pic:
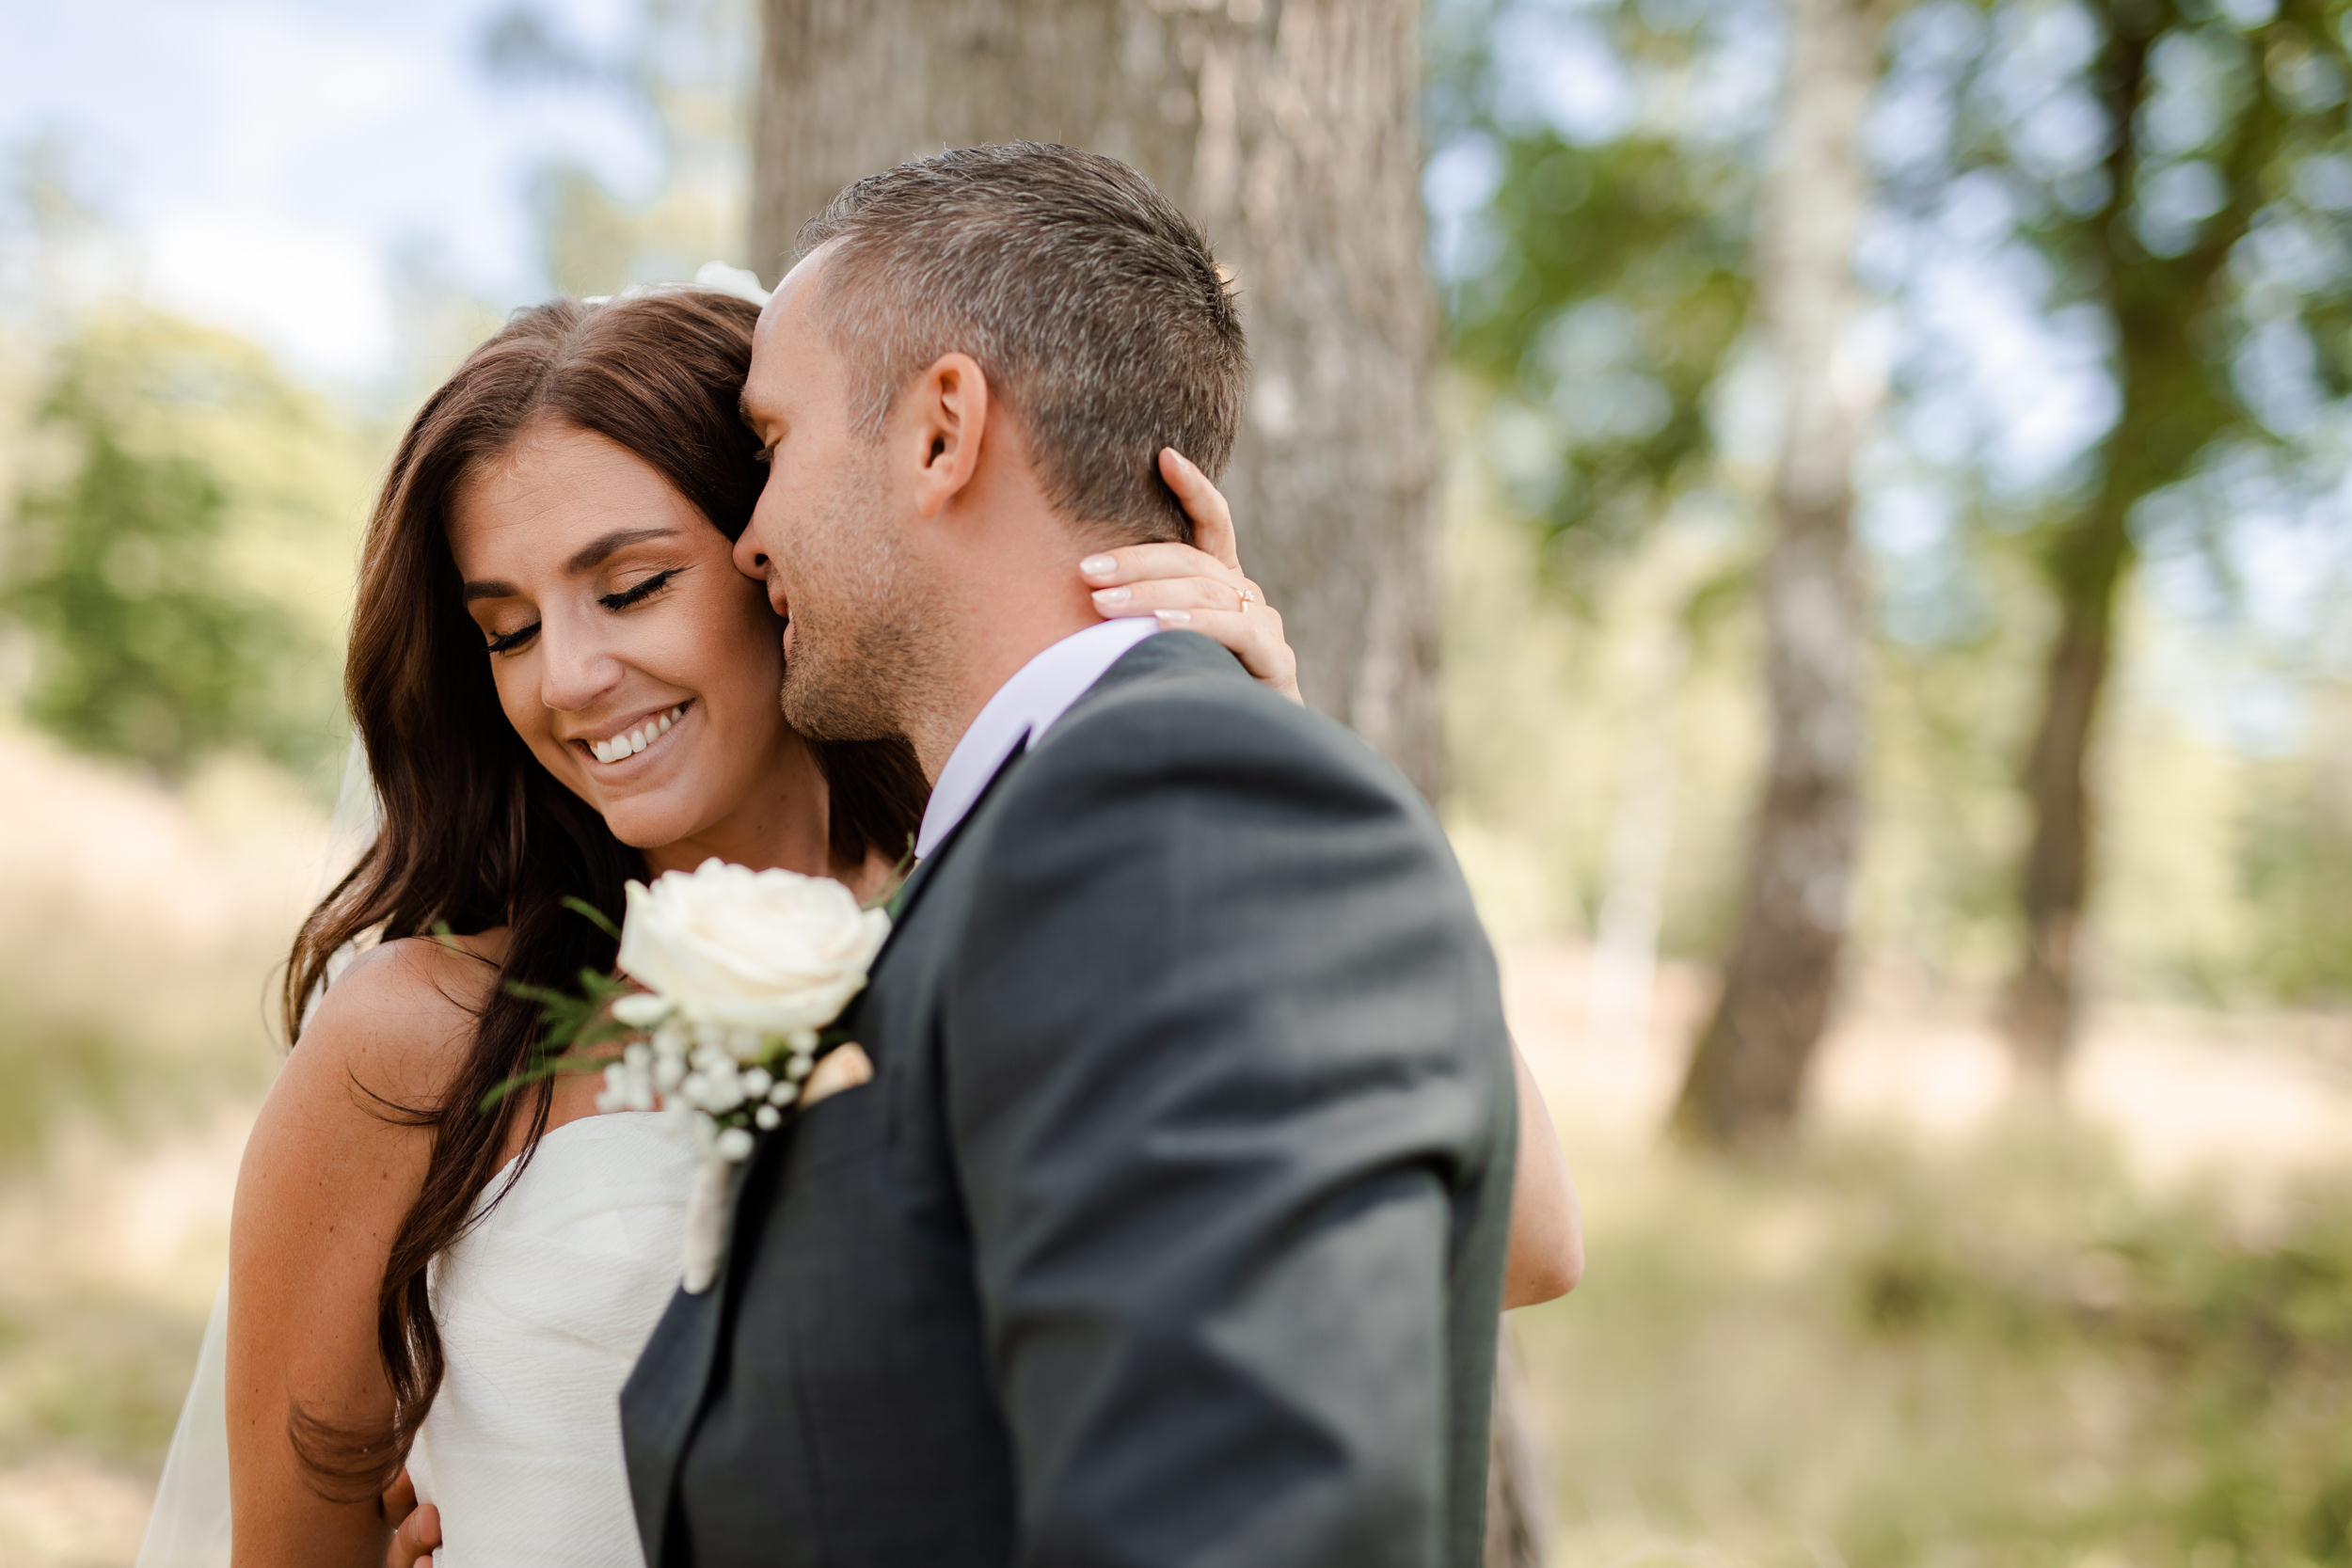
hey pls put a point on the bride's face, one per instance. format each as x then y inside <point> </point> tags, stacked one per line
<point>637,663</point>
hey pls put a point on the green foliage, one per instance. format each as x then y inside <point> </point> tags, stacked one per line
<point>1617,293</point>
<point>144,654</point>
<point>152,640</point>
<point>1612,283</point>
<point>2204,224</point>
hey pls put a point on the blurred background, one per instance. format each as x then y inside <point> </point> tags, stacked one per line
<point>1845,503</point>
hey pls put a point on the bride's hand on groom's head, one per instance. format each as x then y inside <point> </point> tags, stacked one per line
<point>1200,586</point>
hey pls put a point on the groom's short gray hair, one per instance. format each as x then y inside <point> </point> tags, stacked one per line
<point>1093,305</point>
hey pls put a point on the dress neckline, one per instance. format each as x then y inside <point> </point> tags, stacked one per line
<point>498,1182</point>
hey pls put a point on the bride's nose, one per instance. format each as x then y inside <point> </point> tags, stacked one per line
<point>575,669</point>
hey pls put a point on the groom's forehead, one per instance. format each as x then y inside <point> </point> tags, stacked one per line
<point>795,296</point>
<point>785,335</point>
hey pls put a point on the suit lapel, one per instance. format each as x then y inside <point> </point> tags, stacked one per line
<point>664,1396</point>
<point>902,902</point>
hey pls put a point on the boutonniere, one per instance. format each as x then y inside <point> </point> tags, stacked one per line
<point>744,973</point>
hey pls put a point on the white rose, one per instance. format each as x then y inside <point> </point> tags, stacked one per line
<point>771,953</point>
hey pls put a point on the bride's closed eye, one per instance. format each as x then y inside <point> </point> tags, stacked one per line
<point>627,598</point>
<point>638,594</point>
<point>506,643</point>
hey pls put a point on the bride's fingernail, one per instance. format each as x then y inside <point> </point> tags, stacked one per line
<point>1097,566</point>
<point>1107,597</point>
<point>1174,617</point>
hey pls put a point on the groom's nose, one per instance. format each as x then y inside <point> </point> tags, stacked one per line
<point>749,559</point>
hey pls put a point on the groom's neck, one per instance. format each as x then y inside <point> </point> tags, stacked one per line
<point>1004,603</point>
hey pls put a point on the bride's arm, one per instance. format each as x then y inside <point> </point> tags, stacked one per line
<point>1546,1255</point>
<point>327,1180</point>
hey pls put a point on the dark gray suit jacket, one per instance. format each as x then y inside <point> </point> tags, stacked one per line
<point>1170,1230</point>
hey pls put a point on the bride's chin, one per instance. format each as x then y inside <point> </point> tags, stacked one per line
<point>641,831</point>
<point>642,821</point>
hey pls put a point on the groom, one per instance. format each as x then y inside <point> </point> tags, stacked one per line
<point>1170,1229</point>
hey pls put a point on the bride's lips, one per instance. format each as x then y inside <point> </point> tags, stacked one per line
<point>629,744</point>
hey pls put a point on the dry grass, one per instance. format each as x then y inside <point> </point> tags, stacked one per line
<point>136,952</point>
<point>1950,1329</point>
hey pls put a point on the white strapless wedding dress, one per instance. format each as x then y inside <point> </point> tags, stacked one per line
<point>543,1309</point>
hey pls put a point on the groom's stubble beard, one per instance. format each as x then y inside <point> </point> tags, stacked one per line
<point>865,656</point>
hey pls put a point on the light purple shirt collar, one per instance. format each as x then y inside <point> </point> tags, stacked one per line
<point>1024,708</point>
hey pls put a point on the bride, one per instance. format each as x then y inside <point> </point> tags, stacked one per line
<point>561,684</point>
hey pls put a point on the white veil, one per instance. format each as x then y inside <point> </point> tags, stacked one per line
<point>189,1526</point>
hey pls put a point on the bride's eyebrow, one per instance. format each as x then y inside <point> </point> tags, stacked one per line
<point>597,551</point>
<point>586,559</point>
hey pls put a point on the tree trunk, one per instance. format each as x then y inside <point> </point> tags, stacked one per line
<point>2088,566</point>
<point>1287,129</point>
<point>1748,1071</point>
<point>2042,1000</point>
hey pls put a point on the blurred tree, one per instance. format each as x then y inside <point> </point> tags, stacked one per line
<point>1749,1067</point>
<point>1288,132</point>
<point>1600,290</point>
<point>684,76</point>
<point>2209,235</point>
<point>149,643</point>
<point>1616,295</point>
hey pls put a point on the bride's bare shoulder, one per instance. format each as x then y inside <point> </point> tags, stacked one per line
<point>397,1022</point>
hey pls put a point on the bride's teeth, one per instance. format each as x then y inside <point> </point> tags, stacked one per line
<point>633,741</point>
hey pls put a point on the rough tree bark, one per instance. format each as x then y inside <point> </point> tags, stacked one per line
<point>1287,129</point>
<point>1748,1071</point>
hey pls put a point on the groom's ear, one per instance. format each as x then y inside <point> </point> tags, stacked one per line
<point>947,421</point>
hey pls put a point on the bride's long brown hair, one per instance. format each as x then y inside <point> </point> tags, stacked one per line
<point>475,833</point>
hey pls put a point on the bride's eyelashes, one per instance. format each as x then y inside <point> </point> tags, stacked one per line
<point>507,642</point>
<point>639,593</point>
